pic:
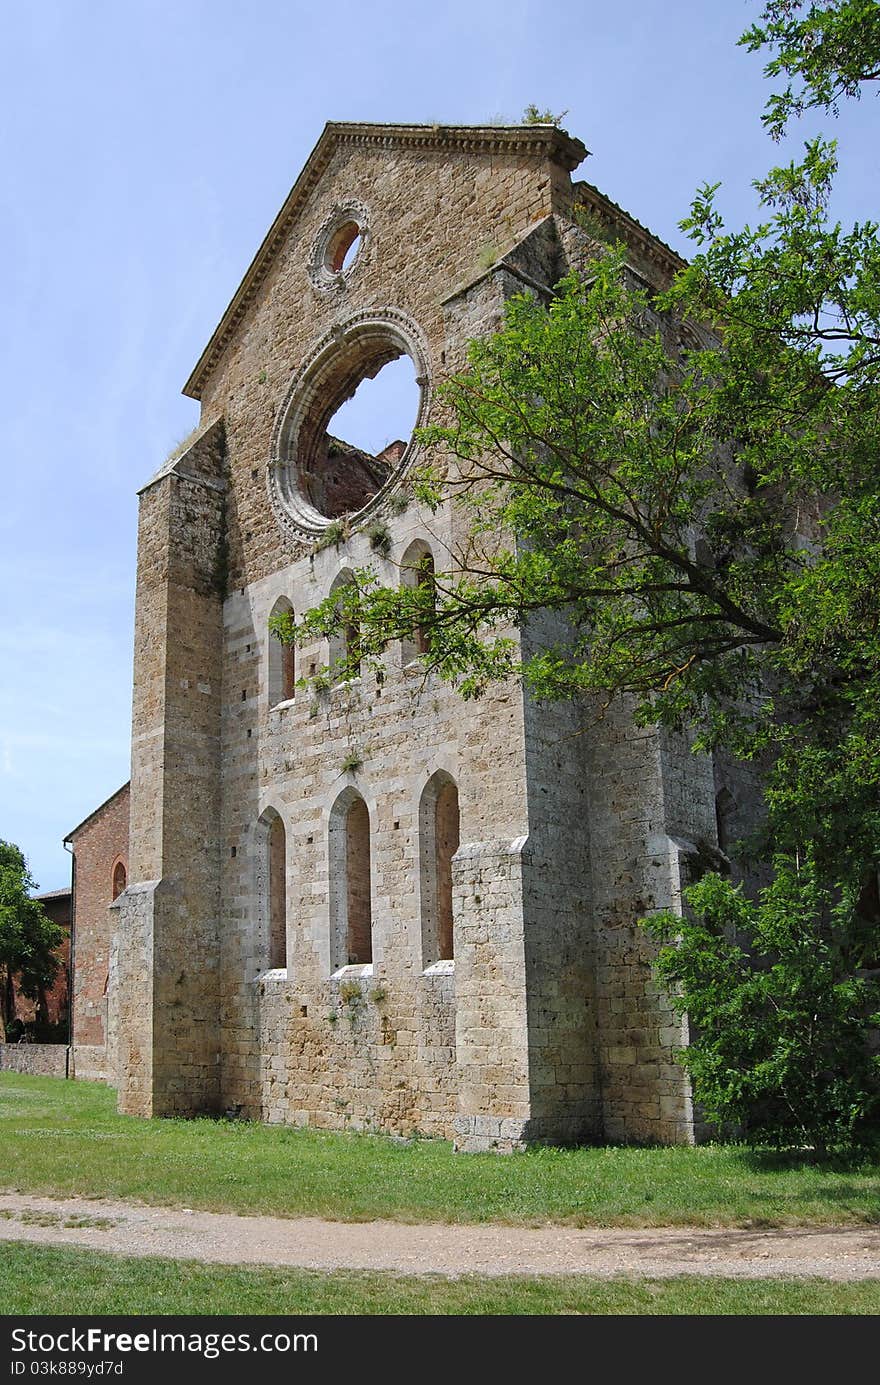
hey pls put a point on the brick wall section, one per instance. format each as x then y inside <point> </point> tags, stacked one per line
<point>98,844</point>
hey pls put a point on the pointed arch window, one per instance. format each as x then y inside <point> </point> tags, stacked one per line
<point>439,837</point>
<point>351,915</point>
<point>282,659</point>
<point>277,894</point>
<point>418,571</point>
<point>119,879</point>
<point>271,866</point>
<point>345,645</point>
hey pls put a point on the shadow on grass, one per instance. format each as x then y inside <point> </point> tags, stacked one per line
<point>765,1160</point>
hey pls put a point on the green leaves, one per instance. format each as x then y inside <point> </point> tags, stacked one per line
<point>28,937</point>
<point>780,1007</point>
<point>828,50</point>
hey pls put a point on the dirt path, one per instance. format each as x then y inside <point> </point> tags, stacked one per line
<point>123,1228</point>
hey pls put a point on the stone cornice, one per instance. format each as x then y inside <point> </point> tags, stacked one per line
<point>176,464</point>
<point>539,141</point>
<point>636,236</point>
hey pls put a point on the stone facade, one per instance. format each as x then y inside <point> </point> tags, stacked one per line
<point>374,906</point>
<point>99,846</point>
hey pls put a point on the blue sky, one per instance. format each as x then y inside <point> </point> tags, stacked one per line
<point>146,146</point>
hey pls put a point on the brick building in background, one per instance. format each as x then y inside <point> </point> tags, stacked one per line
<point>52,1008</point>
<point>99,846</point>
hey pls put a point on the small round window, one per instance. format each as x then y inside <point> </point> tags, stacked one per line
<point>340,246</point>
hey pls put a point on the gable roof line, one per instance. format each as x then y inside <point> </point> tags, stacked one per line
<point>95,811</point>
<point>644,238</point>
<point>543,140</point>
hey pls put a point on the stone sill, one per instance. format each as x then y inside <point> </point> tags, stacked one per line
<point>275,978</point>
<point>444,968</point>
<point>283,706</point>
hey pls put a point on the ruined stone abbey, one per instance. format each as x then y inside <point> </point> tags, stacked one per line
<point>370,905</point>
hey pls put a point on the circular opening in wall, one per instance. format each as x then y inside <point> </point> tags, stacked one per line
<point>357,441</point>
<point>343,248</point>
<point>343,434</point>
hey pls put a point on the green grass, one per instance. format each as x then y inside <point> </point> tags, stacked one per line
<point>39,1279</point>
<point>62,1137</point>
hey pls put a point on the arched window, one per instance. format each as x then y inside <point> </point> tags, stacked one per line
<point>345,646</point>
<point>439,836</point>
<point>417,570</point>
<point>351,923</point>
<point>271,887</point>
<point>725,809</point>
<point>119,879</point>
<point>277,894</point>
<point>282,660</point>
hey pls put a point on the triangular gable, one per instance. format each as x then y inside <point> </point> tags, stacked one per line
<point>541,141</point>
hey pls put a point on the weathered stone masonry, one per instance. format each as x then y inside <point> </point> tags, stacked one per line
<point>275,837</point>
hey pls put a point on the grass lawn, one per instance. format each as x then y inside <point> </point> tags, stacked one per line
<point>40,1279</point>
<point>65,1137</point>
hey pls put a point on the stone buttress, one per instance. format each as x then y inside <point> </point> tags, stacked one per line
<point>164,1009</point>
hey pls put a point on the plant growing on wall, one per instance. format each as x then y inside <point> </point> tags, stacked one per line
<point>380,539</point>
<point>353,761</point>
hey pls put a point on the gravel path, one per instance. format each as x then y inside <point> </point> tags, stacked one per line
<point>308,1243</point>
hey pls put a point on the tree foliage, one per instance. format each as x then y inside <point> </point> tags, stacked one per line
<point>690,479</point>
<point>778,1006</point>
<point>28,937</point>
<point>828,49</point>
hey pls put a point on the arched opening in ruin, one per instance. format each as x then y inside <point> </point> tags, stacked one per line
<point>119,879</point>
<point>351,919</point>
<point>357,425</point>
<point>344,431</point>
<point>344,651</point>
<point>439,837</point>
<point>270,889</point>
<point>282,660</point>
<point>417,570</point>
<point>277,893</point>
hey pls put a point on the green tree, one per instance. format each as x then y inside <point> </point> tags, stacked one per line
<point>691,478</point>
<point>28,937</point>
<point>778,1006</point>
<point>828,50</point>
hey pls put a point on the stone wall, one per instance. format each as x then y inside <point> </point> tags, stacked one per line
<point>304,1043</point>
<point>544,1024</point>
<point>166,1011</point>
<point>301,1043</point>
<point>37,1060</point>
